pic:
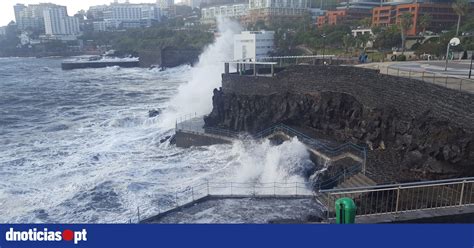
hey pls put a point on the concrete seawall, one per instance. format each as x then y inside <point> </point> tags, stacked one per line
<point>372,89</point>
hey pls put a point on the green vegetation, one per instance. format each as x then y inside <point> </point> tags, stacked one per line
<point>461,7</point>
<point>9,42</point>
<point>406,23</point>
<point>135,40</point>
<point>424,21</point>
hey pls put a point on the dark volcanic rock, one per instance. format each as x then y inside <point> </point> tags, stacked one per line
<point>425,145</point>
<point>153,112</point>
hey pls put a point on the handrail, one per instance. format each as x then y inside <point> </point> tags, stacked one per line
<point>397,185</point>
<point>346,173</point>
<point>404,197</point>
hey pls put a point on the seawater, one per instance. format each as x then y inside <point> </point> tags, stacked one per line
<point>78,146</point>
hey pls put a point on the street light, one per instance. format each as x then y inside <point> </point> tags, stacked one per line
<point>470,68</point>
<point>453,42</point>
<point>324,44</point>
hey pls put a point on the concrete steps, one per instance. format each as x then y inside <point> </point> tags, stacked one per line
<point>355,181</point>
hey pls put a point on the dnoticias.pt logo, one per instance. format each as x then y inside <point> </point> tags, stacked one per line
<point>46,235</point>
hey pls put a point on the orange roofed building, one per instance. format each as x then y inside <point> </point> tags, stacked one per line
<point>342,16</point>
<point>442,16</point>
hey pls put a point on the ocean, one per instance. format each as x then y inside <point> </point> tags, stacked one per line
<point>79,147</point>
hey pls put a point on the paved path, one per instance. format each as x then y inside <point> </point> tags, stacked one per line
<point>429,71</point>
<point>236,209</point>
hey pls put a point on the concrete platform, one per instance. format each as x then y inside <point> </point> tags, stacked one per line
<point>244,209</point>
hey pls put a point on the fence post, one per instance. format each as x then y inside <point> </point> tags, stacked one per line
<point>328,206</point>
<point>177,204</point>
<point>387,70</point>
<point>274,188</point>
<point>460,85</point>
<point>364,166</point>
<point>398,198</point>
<point>138,214</point>
<point>398,72</point>
<point>462,192</point>
<point>446,81</point>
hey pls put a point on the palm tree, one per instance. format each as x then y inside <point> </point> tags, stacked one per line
<point>406,22</point>
<point>461,7</point>
<point>424,21</point>
<point>348,42</point>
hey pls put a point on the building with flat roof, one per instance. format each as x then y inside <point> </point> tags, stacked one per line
<point>126,15</point>
<point>253,44</point>
<point>230,10</point>
<point>58,24</point>
<point>274,10</point>
<point>442,15</point>
<point>32,16</point>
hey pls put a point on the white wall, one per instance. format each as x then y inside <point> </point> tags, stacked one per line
<point>253,44</point>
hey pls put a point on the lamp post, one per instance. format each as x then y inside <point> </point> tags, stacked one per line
<point>453,42</point>
<point>324,44</point>
<point>470,68</point>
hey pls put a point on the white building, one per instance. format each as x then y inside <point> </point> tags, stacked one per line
<point>58,23</point>
<point>236,10</point>
<point>363,31</point>
<point>253,44</point>
<point>99,26</point>
<point>165,4</point>
<point>53,20</point>
<point>32,16</point>
<point>127,15</point>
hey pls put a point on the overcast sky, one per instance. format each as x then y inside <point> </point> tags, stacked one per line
<point>7,15</point>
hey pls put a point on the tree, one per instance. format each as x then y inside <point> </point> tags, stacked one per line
<point>424,21</point>
<point>406,22</point>
<point>348,42</point>
<point>387,37</point>
<point>461,7</point>
<point>365,22</point>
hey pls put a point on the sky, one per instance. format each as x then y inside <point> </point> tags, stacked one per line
<point>7,15</point>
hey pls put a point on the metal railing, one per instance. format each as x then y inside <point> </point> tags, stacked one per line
<point>406,197</point>
<point>456,83</point>
<point>334,180</point>
<point>317,145</point>
<point>200,191</point>
<point>195,124</point>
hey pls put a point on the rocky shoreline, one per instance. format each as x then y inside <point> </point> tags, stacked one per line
<point>404,144</point>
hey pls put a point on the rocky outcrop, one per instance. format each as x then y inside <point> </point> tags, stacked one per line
<point>402,146</point>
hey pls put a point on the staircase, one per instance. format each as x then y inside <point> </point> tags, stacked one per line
<point>356,181</point>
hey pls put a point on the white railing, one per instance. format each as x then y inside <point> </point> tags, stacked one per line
<point>397,198</point>
<point>456,83</point>
<point>197,192</point>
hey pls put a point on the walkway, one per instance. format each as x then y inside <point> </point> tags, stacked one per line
<point>430,72</point>
<point>244,209</point>
<point>194,127</point>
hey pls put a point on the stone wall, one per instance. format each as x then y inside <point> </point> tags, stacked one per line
<point>413,129</point>
<point>372,89</point>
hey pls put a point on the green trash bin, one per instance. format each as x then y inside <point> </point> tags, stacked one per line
<point>345,211</point>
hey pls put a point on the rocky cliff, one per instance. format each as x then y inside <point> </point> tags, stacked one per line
<point>405,144</point>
